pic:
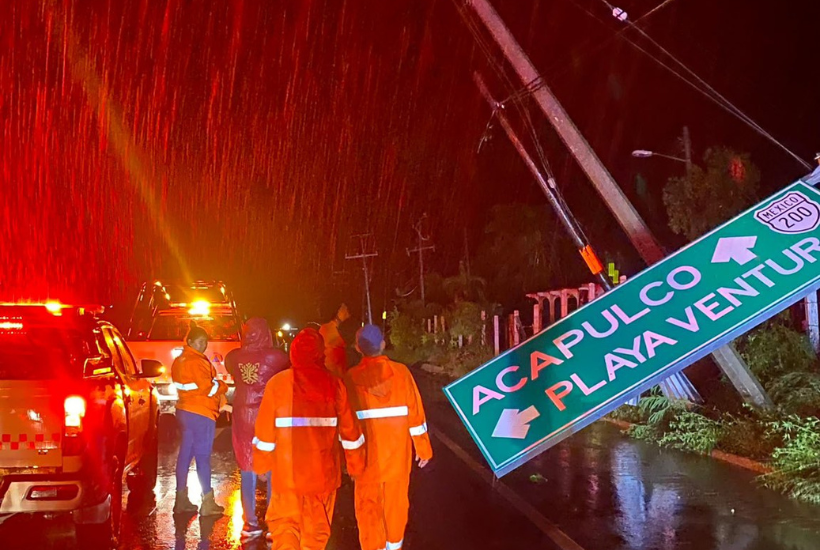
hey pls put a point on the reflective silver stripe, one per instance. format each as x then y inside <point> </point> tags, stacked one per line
<point>263,445</point>
<point>395,545</point>
<point>301,422</point>
<point>186,387</point>
<point>350,445</point>
<point>387,412</point>
<point>214,388</point>
<point>418,430</point>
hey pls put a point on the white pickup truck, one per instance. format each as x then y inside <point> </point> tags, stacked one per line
<point>161,318</point>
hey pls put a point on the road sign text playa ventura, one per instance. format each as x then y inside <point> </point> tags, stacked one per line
<point>673,313</point>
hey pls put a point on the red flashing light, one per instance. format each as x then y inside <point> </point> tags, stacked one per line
<point>74,412</point>
<point>73,442</point>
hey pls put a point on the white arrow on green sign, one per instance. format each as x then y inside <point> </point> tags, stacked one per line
<point>665,318</point>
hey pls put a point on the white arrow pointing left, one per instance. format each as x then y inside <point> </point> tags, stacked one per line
<point>738,249</point>
<point>514,424</point>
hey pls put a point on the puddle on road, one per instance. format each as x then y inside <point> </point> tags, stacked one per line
<point>607,491</point>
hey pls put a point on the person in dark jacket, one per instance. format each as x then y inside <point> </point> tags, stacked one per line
<point>251,367</point>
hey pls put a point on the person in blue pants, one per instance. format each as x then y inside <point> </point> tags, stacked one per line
<point>201,396</point>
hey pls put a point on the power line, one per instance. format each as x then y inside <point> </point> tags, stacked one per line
<point>700,85</point>
<point>524,112</point>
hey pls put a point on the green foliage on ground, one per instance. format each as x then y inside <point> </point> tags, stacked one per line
<point>658,410</point>
<point>797,393</point>
<point>671,423</point>
<point>783,361</point>
<point>775,349</point>
<point>796,462</point>
<point>690,431</point>
<point>411,343</point>
<point>746,436</point>
<point>627,413</point>
<point>643,432</point>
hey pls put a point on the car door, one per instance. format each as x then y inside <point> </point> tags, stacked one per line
<point>136,394</point>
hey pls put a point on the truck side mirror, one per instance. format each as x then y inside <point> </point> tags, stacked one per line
<point>151,368</point>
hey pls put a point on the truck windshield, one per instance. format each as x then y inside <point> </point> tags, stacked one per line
<point>40,353</point>
<point>223,328</point>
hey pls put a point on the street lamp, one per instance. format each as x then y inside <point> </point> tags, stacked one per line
<point>644,154</point>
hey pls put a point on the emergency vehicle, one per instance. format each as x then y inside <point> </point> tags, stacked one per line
<point>161,318</point>
<point>78,415</point>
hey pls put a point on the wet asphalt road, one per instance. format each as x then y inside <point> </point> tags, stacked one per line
<point>597,490</point>
<point>449,509</point>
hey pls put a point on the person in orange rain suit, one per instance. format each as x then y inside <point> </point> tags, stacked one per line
<point>303,417</point>
<point>335,354</point>
<point>201,396</point>
<point>388,404</point>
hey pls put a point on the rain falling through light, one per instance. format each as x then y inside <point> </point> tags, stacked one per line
<point>238,141</point>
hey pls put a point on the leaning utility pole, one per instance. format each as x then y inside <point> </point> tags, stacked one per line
<point>420,249</point>
<point>550,190</point>
<point>363,254</point>
<point>727,357</point>
<point>676,386</point>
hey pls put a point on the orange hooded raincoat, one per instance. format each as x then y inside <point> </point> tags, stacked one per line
<point>388,404</point>
<point>303,418</point>
<point>195,379</point>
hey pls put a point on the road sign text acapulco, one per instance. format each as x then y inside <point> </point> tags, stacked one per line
<point>666,317</point>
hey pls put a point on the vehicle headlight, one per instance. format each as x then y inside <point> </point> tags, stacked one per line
<point>167,390</point>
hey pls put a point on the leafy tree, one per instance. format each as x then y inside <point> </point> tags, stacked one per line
<point>711,195</point>
<point>434,290</point>
<point>465,320</point>
<point>464,286</point>
<point>522,252</point>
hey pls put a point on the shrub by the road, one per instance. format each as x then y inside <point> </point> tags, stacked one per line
<point>411,343</point>
<point>796,462</point>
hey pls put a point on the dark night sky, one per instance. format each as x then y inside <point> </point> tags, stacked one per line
<point>248,140</point>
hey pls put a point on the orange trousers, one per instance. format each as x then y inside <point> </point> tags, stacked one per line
<point>300,522</point>
<point>381,512</point>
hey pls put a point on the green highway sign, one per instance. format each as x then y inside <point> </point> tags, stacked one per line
<point>665,318</point>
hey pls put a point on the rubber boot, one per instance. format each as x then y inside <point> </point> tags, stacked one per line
<point>182,505</point>
<point>209,506</point>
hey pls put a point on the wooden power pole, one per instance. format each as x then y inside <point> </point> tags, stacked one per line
<point>727,357</point>
<point>363,252</point>
<point>420,248</point>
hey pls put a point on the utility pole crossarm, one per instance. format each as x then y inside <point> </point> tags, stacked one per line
<point>362,254</point>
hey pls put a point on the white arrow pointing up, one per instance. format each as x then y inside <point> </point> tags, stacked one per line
<point>514,424</point>
<point>738,249</point>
